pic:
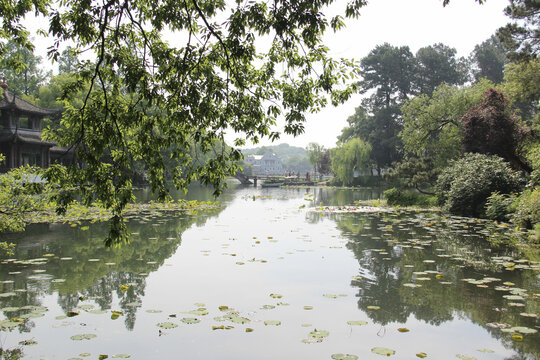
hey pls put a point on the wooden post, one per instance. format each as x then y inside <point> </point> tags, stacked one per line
<point>255,181</point>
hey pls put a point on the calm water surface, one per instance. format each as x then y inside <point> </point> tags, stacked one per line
<point>282,270</point>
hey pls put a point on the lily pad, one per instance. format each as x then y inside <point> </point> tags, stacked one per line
<point>319,333</point>
<point>10,309</point>
<point>28,342</point>
<point>465,357</point>
<point>167,325</point>
<point>523,330</point>
<point>357,322</point>
<point>222,327</point>
<point>344,357</point>
<point>190,320</point>
<point>83,337</point>
<point>410,285</point>
<point>198,312</point>
<point>383,351</point>
<point>272,322</point>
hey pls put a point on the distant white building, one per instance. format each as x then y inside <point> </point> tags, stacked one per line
<point>267,164</point>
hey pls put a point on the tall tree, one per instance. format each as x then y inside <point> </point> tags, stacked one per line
<point>491,128</point>
<point>68,61</point>
<point>22,69</point>
<point>387,70</point>
<point>316,155</point>
<point>522,37</point>
<point>522,84</point>
<point>489,59</point>
<point>380,130</point>
<point>437,64</point>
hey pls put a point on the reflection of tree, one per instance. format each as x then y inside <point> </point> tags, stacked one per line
<point>385,248</point>
<point>11,354</point>
<point>155,237</point>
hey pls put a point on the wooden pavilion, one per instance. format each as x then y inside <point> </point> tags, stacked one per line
<point>20,133</point>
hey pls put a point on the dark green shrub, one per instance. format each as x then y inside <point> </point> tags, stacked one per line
<point>465,185</point>
<point>527,208</point>
<point>408,198</point>
<point>499,206</point>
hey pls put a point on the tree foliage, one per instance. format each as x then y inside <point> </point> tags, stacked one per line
<point>432,127</point>
<point>435,65</point>
<point>22,69</point>
<point>387,71</point>
<point>522,37</point>
<point>415,172</point>
<point>522,84</point>
<point>489,59</point>
<point>316,153</point>
<point>232,66</point>
<point>466,184</point>
<point>354,155</point>
<point>491,128</point>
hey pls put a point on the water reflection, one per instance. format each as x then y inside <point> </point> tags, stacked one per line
<point>395,252</point>
<point>73,263</point>
<point>263,241</point>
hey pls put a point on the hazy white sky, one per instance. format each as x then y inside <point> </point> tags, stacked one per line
<point>416,23</point>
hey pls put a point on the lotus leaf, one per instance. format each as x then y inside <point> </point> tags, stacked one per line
<point>28,342</point>
<point>83,337</point>
<point>344,357</point>
<point>383,351</point>
<point>167,325</point>
<point>465,357</point>
<point>272,322</point>
<point>190,320</point>
<point>357,322</point>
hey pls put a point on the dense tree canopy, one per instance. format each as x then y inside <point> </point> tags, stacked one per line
<point>492,128</point>
<point>437,64</point>
<point>22,69</point>
<point>490,60</point>
<point>522,37</point>
<point>432,126</point>
<point>388,70</point>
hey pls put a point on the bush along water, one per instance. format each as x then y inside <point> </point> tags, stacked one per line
<point>403,197</point>
<point>465,186</point>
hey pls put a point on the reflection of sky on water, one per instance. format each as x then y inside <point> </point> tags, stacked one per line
<point>219,261</point>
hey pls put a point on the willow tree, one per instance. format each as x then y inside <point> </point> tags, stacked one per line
<point>350,158</point>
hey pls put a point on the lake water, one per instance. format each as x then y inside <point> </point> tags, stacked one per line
<point>267,276</point>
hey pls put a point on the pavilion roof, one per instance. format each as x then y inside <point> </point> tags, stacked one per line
<point>12,101</point>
